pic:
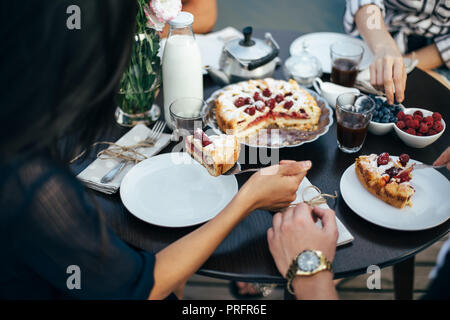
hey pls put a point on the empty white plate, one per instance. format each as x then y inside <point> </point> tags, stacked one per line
<point>319,45</point>
<point>173,190</point>
<point>430,203</point>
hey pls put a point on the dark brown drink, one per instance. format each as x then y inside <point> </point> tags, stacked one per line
<point>344,72</point>
<point>350,137</point>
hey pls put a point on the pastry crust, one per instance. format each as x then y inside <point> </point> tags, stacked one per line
<point>380,185</point>
<point>219,156</point>
<point>304,114</point>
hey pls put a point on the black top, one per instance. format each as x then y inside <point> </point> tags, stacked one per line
<point>48,223</point>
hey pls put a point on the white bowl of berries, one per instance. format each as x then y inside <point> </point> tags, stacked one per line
<point>384,116</point>
<point>419,128</point>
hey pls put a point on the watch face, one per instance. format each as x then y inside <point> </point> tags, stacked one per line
<point>308,261</point>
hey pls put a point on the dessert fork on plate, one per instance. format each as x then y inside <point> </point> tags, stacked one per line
<point>152,138</point>
<point>236,169</point>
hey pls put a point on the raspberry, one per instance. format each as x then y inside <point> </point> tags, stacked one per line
<point>423,128</point>
<point>288,104</point>
<point>418,117</point>
<point>418,113</point>
<point>200,135</point>
<point>432,132</point>
<point>400,115</point>
<point>239,102</point>
<point>411,131</point>
<point>266,92</point>
<point>438,126</point>
<point>392,172</point>
<point>247,101</point>
<point>408,117</point>
<point>383,159</point>
<point>257,97</point>
<point>437,116</point>
<point>279,98</point>
<point>428,119</point>
<point>409,123</point>
<point>404,158</point>
<point>416,124</point>
<point>270,103</point>
<point>419,134</point>
<point>401,124</point>
<point>250,110</point>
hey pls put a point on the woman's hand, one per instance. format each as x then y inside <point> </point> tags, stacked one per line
<point>295,230</point>
<point>387,72</point>
<point>274,187</point>
<point>444,158</point>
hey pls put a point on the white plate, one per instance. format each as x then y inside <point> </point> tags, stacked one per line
<point>319,45</point>
<point>173,190</point>
<point>430,203</point>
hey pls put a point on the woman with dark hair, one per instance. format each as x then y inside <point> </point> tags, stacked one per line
<point>58,87</point>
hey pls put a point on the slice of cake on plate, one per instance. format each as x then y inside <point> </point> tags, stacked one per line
<point>386,179</point>
<point>218,153</point>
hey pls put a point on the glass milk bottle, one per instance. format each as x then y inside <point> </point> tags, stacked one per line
<point>182,66</point>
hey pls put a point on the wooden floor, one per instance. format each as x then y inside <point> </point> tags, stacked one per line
<point>205,288</point>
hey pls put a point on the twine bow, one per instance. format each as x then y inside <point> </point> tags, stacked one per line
<point>115,151</point>
<point>318,199</point>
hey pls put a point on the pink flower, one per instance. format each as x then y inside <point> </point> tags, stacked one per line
<point>161,11</point>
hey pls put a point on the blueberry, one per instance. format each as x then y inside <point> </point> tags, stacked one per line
<point>385,119</point>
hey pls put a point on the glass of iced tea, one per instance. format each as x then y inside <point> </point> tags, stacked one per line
<point>345,59</point>
<point>353,113</point>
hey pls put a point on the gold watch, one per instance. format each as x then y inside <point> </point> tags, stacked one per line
<point>306,263</point>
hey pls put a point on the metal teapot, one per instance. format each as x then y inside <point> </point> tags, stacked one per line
<point>247,58</point>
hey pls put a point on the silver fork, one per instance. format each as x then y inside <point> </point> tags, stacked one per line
<point>236,169</point>
<point>152,138</point>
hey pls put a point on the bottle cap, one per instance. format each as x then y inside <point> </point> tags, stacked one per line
<point>183,19</point>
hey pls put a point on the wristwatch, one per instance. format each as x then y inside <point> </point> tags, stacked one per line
<point>306,263</point>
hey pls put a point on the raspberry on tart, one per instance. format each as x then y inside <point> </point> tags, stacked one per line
<point>277,103</point>
<point>386,179</point>
<point>217,154</point>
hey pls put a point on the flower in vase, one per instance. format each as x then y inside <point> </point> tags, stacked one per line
<point>158,12</point>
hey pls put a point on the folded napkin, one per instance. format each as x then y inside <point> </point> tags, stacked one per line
<point>96,170</point>
<point>363,78</point>
<point>344,235</point>
<point>210,45</point>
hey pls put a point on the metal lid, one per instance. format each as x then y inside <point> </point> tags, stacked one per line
<point>183,19</point>
<point>248,49</point>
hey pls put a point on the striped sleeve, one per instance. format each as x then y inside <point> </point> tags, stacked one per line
<point>443,46</point>
<point>352,6</point>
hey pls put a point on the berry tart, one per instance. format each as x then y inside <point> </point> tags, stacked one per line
<point>386,179</point>
<point>217,154</point>
<point>244,108</point>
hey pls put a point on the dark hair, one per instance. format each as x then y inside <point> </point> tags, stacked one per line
<point>59,83</point>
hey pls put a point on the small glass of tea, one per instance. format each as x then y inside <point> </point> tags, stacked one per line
<point>353,113</point>
<point>345,58</point>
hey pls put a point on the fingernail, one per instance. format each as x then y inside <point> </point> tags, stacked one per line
<point>306,165</point>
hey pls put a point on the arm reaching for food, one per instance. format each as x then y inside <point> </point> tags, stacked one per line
<point>444,158</point>
<point>270,188</point>
<point>387,70</point>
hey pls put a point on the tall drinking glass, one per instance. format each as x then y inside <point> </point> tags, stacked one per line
<point>353,113</point>
<point>345,58</point>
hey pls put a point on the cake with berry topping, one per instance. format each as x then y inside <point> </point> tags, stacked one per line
<point>244,108</point>
<point>386,179</point>
<point>217,153</point>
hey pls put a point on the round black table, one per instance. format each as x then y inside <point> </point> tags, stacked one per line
<point>244,255</point>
